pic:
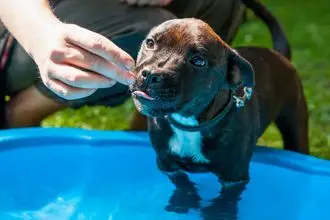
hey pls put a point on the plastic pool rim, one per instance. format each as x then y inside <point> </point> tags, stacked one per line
<point>11,139</point>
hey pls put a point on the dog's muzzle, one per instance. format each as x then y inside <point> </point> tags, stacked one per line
<point>154,86</point>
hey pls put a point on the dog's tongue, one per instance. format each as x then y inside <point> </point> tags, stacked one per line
<point>143,94</point>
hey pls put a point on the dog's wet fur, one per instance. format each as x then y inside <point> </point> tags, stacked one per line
<point>186,71</point>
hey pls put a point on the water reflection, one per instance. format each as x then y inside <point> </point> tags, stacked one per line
<point>186,197</point>
<point>225,206</point>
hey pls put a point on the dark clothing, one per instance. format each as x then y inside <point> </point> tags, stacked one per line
<point>126,26</point>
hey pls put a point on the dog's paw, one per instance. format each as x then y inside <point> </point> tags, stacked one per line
<point>220,208</point>
<point>183,200</point>
<point>225,206</point>
<point>177,209</point>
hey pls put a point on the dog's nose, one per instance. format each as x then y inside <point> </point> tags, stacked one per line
<point>150,78</point>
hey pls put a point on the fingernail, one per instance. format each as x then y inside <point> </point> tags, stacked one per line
<point>130,78</point>
<point>129,65</point>
<point>111,83</point>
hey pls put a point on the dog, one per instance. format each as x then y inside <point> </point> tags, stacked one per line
<point>207,104</point>
<point>139,123</point>
<point>279,40</point>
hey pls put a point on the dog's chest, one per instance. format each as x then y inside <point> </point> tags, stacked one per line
<point>187,144</point>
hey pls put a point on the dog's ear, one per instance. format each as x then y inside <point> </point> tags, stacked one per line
<point>239,70</point>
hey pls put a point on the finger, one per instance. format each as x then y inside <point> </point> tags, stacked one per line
<point>78,78</point>
<point>81,58</point>
<point>67,92</point>
<point>99,45</point>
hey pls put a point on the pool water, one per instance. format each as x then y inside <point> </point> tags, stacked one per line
<point>73,174</point>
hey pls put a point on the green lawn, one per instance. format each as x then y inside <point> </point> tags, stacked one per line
<point>307,24</point>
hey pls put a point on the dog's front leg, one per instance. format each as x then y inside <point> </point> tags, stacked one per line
<point>225,205</point>
<point>185,195</point>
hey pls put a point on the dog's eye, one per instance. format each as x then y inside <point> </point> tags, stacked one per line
<point>198,61</point>
<point>150,43</point>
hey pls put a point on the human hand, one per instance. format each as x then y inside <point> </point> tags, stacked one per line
<point>147,2</point>
<point>74,62</point>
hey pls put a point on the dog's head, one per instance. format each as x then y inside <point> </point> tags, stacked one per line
<point>181,66</point>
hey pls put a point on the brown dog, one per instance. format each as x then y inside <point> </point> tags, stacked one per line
<point>207,104</point>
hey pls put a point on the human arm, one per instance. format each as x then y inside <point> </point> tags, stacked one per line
<point>73,61</point>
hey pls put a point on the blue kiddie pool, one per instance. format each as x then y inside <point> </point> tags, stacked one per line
<point>105,175</point>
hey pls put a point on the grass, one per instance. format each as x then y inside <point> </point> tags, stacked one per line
<point>307,25</point>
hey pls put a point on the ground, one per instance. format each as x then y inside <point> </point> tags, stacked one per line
<point>307,25</point>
